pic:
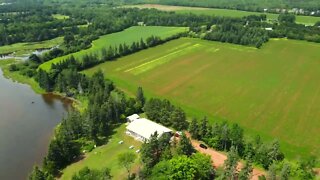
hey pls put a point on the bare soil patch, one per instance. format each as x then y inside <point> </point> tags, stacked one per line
<point>218,159</point>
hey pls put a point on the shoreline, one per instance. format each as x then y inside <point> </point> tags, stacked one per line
<point>18,78</point>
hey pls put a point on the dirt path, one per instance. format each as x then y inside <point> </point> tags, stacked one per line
<point>218,158</point>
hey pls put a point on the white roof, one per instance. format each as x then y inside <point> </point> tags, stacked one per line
<point>146,128</point>
<point>133,117</point>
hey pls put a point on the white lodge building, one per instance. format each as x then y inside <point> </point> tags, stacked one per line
<point>142,129</point>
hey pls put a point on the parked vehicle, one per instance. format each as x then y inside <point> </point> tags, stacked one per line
<point>203,146</point>
<point>178,134</point>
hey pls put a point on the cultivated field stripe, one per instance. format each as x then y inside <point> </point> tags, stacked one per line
<point>152,56</point>
<point>159,61</point>
<point>272,91</point>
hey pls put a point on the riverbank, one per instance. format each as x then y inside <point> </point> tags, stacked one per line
<point>79,104</point>
<point>17,77</point>
<point>26,126</point>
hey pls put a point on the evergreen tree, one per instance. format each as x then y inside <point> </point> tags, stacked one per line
<point>230,171</point>
<point>110,53</point>
<point>142,44</point>
<point>37,174</point>
<point>272,172</point>
<point>60,85</point>
<point>236,137</point>
<point>44,80</point>
<point>246,171</point>
<point>285,172</point>
<point>121,50</point>
<point>104,55</point>
<point>140,99</point>
<point>150,153</point>
<point>203,128</point>
<point>185,147</point>
<point>274,151</point>
<point>225,135</point>
<point>62,151</point>
<point>35,58</point>
<point>178,119</point>
<point>133,47</point>
<point>126,49</point>
<point>194,129</point>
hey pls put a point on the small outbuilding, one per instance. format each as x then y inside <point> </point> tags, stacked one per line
<point>133,117</point>
<point>142,129</point>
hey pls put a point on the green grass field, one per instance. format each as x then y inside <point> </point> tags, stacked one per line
<point>60,16</point>
<point>22,49</point>
<point>308,20</point>
<point>128,36</point>
<point>106,156</point>
<point>273,91</point>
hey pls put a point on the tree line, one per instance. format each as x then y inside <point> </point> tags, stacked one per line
<point>289,29</point>
<point>111,53</point>
<point>238,34</point>
<point>163,158</point>
<point>245,5</point>
<point>248,30</point>
<point>51,81</point>
<point>225,137</point>
<point>78,132</point>
<point>162,111</point>
<point>35,25</point>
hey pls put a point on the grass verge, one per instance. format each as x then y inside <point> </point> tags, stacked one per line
<point>106,156</point>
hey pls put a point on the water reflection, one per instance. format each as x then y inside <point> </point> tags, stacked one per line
<point>27,121</point>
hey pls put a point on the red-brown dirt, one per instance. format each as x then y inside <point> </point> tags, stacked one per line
<point>218,158</point>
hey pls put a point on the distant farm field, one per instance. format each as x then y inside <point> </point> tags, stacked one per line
<point>273,91</point>
<point>308,20</point>
<point>21,49</point>
<point>128,36</point>
<point>60,16</point>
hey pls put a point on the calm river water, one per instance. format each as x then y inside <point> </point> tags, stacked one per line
<point>27,121</point>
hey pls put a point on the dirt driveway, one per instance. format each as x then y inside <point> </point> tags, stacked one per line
<point>218,158</point>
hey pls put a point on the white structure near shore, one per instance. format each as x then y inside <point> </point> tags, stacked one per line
<point>142,129</point>
<point>133,117</point>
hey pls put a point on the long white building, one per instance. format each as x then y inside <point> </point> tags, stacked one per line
<point>142,129</point>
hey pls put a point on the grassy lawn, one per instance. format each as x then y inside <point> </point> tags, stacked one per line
<point>16,76</point>
<point>60,16</point>
<point>106,156</point>
<point>308,20</point>
<point>128,36</point>
<point>273,91</point>
<point>22,49</point>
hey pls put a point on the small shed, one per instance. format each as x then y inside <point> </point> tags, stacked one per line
<point>269,29</point>
<point>141,24</point>
<point>133,117</point>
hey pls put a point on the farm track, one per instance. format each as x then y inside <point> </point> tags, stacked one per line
<point>218,159</point>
